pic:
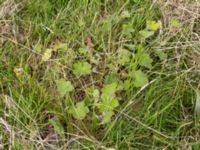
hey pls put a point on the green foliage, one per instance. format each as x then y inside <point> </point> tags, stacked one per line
<point>107,24</point>
<point>64,87</point>
<point>85,74</point>
<point>128,29</point>
<point>82,68</point>
<point>152,25</point>
<point>83,51</point>
<point>107,104</point>
<point>162,55</point>
<point>108,101</point>
<point>107,117</point>
<point>109,89</point>
<point>146,34</point>
<point>79,111</point>
<point>57,127</point>
<point>123,57</point>
<point>96,94</point>
<point>145,60</point>
<point>38,48</point>
<point>140,78</point>
<point>61,46</point>
<point>112,78</point>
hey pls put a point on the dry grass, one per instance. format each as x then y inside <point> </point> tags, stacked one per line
<point>186,11</point>
<point>8,8</point>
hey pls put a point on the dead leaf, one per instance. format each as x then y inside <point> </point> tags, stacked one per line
<point>89,42</point>
<point>5,28</point>
<point>138,105</point>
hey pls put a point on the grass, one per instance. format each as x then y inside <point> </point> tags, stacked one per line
<point>99,74</point>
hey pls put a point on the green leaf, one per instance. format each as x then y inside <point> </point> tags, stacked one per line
<point>38,48</point>
<point>126,84</point>
<point>107,24</point>
<point>95,121</point>
<point>140,79</point>
<point>111,78</point>
<point>161,55</point>
<point>83,51</point>
<point>80,111</point>
<point>107,117</point>
<point>145,60</point>
<point>146,34</point>
<point>109,89</point>
<point>153,25</point>
<point>124,57</point>
<point>108,100</point>
<point>55,71</point>
<point>64,87</point>
<point>47,54</point>
<point>128,29</point>
<point>82,68</point>
<point>114,103</point>
<point>62,46</point>
<point>81,22</point>
<point>130,46</point>
<point>57,127</point>
<point>107,103</point>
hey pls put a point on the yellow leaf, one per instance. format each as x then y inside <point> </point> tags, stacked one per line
<point>47,55</point>
<point>18,72</point>
<point>153,25</point>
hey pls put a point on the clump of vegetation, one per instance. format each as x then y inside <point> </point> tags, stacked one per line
<point>99,75</point>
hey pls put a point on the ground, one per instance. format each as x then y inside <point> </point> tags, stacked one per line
<point>99,74</point>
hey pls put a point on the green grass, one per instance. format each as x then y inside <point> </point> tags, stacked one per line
<point>98,74</point>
